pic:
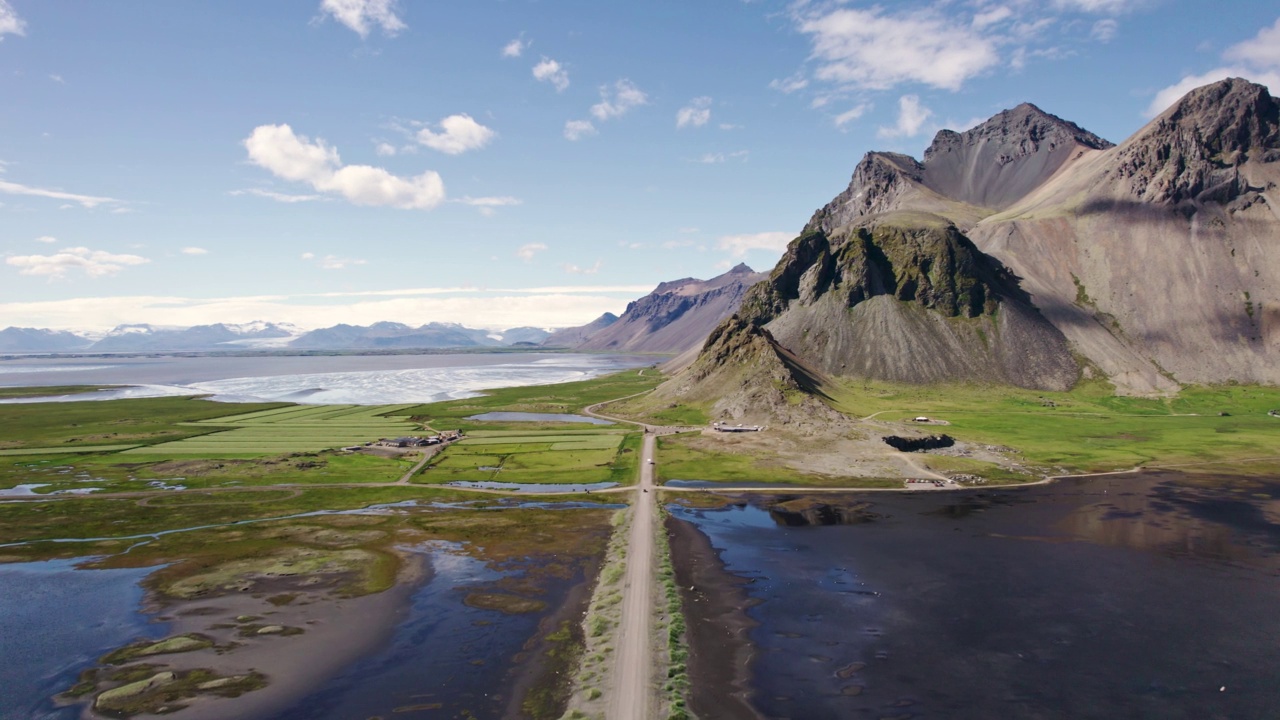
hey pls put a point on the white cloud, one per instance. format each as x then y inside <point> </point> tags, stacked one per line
<point>1097,6</point>
<point>550,71</point>
<point>618,100</point>
<point>526,252</point>
<point>488,205</point>
<point>332,262</point>
<point>563,306</point>
<point>994,16</point>
<point>730,126</point>
<point>696,113</point>
<point>869,49</point>
<point>911,117</point>
<point>790,84</point>
<point>577,129</point>
<point>739,245</point>
<point>575,270</point>
<point>716,158</point>
<point>49,239</point>
<point>459,133</point>
<point>1104,30</point>
<point>88,201</point>
<point>93,263</point>
<point>10,23</point>
<point>57,78</point>
<point>851,114</point>
<point>515,48</point>
<point>385,149</point>
<point>362,15</point>
<point>277,196</point>
<point>194,251</point>
<point>295,157</point>
<point>1261,51</point>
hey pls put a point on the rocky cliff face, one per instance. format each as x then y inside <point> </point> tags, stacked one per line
<point>907,298</point>
<point>1026,241</point>
<point>575,336</point>
<point>677,315</point>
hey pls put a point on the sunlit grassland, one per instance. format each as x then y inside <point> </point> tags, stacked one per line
<point>680,460</point>
<point>569,397</point>
<point>38,391</point>
<point>531,457</point>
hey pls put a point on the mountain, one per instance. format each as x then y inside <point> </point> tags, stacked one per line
<point>575,336</point>
<point>34,340</point>
<point>220,336</point>
<point>387,335</point>
<point>524,335</point>
<point>1030,251</point>
<point>676,316</point>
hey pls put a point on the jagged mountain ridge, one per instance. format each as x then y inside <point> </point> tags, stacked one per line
<point>676,316</point>
<point>575,336</point>
<point>1156,260</point>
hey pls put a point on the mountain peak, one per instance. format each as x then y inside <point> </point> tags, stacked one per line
<point>740,269</point>
<point>1194,151</point>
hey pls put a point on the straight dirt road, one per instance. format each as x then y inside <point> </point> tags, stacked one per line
<point>630,687</point>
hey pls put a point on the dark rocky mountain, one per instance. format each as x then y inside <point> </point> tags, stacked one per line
<point>1026,242</point>
<point>676,316</point>
<point>575,336</point>
<point>36,340</point>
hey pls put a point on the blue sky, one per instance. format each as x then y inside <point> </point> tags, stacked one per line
<point>502,163</point>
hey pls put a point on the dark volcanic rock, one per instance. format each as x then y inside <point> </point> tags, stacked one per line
<point>1194,149</point>
<point>916,444</point>
<point>998,162</point>
<point>802,512</point>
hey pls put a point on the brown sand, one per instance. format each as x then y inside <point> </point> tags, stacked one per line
<point>715,603</point>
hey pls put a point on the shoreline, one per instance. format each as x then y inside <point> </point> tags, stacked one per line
<point>718,627</point>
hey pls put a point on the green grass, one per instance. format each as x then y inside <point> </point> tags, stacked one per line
<point>109,422</point>
<point>1089,429</point>
<point>66,450</point>
<point>561,398</point>
<point>678,460</point>
<point>14,393</point>
<point>551,457</point>
<point>290,429</point>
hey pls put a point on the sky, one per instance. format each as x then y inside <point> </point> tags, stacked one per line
<point>503,163</point>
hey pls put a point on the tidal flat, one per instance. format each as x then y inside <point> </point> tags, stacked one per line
<point>458,607</point>
<point>1146,595</point>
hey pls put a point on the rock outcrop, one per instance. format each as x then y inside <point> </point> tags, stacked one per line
<point>1026,242</point>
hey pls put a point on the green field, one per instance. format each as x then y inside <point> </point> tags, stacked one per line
<point>303,428</point>
<point>533,457</point>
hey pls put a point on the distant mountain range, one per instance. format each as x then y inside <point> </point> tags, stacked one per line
<point>1026,251</point>
<point>674,318</point>
<point>264,335</point>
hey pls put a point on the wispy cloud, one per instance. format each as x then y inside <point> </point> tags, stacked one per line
<point>697,113</point>
<point>515,48</point>
<point>194,251</point>
<point>458,134</point>
<point>550,71</point>
<point>47,239</point>
<point>791,84</point>
<point>739,245</point>
<point>10,23</point>
<point>92,263</point>
<point>716,158</point>
<point>361,16</point>
<point>578,129</point>
<point>332,262</point>
<point>295,157</point>
<point>89,201</point>
<point>911,118</point>
<point>277,196</point>
<point>528,251</point>
<point>575,270</point>
<point>853,113</point>
<point>618,100</point>
<point>488,205</point>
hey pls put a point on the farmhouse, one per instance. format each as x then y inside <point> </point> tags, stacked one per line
<point>724,427</point>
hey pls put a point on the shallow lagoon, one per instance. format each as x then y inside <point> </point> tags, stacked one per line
<point>1148,596</point>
